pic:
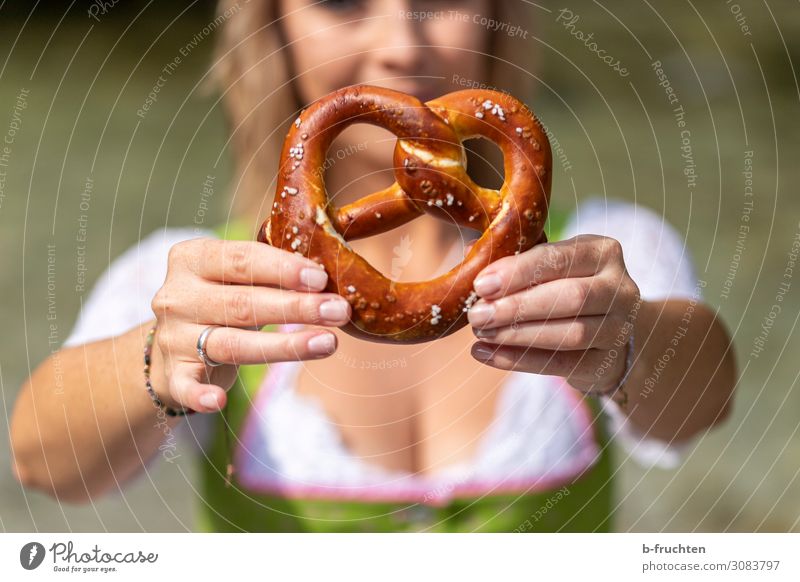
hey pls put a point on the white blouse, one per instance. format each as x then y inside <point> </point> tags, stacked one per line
<point>536,432</point>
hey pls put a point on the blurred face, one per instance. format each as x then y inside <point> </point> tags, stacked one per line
<point>409,45</point>
<point>414,46</point>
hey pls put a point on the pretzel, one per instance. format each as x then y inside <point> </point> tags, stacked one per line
<point>431,176</point>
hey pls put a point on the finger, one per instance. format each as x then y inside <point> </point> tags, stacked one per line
<point>581,333</point>
<point>246,306</point>
<point>230,345</point>
<point>583,367</point>
<point>580,256</point>
<point>190,392</point>
<point>255,263</point>
<point>555,299</point>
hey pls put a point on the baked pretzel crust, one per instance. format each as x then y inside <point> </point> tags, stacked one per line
<point>431,174</point>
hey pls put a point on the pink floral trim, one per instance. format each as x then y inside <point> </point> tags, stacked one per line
<point>408,489</point>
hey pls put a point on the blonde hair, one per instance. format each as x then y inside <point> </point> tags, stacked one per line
<point>260,100</point>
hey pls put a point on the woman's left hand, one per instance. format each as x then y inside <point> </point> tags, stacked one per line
<point>563,309</point>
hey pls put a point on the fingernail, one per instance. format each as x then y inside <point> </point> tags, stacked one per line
<point>209,400</point>
<point>487,284</point>
<point>323,343</point>
<point>480,314</point>
<point>486,332</point>
<point>313,278</point>
<point>482,353</point>
<point>334,310</point>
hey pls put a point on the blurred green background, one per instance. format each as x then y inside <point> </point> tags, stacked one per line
<point>82,82</point>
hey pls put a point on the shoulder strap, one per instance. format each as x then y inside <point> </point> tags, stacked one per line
<point>235,229</point>
<point>556,221</point>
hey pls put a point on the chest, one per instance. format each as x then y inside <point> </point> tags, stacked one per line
<point>410,408</point>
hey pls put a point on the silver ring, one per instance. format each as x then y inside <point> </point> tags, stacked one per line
<point>201,347</point>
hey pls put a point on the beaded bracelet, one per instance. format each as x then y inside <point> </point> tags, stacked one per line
<point>148,349</point>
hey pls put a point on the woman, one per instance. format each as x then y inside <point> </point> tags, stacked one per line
<point>486,429</point>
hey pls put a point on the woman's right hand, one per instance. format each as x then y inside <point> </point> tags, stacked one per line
<point>240,286</point>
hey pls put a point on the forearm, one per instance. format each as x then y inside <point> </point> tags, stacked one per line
<point>83,422</point>
<point>684,376</point>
